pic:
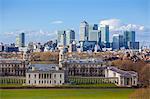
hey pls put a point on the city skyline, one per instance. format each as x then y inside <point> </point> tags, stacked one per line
<point>42,18</point>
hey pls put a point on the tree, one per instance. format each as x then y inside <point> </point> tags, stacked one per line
<point>145,75</point>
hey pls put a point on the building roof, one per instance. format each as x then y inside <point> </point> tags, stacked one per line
<point>122,72</point>
<point>49,71</point>
<point>36,68</point>
<point>83,61</point>
<point>3,60</point>
<point>44,67</point>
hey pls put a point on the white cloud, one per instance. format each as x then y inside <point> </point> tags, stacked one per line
<point>117,25</point>
<point>9,33</point>
<point>57,22</point>
<point>113,23</point>
<point>32,33</point>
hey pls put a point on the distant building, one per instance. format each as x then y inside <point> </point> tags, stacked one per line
<point>133,45</point>
<point>118,41</point>
<point>87,45</point>
<point>60,37</point>
<point>84,31</point>
<point>1,48</point>
<point>104,33</point>
<point>22,40</point>
<point>70,36</point>
<point>73,47</point>
<point>11,48</point>
<point>97,48</point>
<point>93,27</point>
<point>94,34</point>
<point>17,41</point>
<point>44,75</point>
<point>129,36</point>
<point>63,39</point>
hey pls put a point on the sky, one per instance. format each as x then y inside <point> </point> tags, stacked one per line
<point>39,19</point>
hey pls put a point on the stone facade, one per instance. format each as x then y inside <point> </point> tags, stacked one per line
<point>125,78</point>
<point>44,75</point>
<point>13,67</point>
<point>87,68</point>
<point>97,68</point>
<point>41,78</point>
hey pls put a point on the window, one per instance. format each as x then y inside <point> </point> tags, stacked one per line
<point>60,75</point>
<point>34,75</point>
<point>39,82</point>
<point>47,76</point>
<point>114,74</point>
<point>50,81</point>
<point>54,75</point>
<point>55,81</point>
<point>39,76</point>
<point>35,82</point>
<point>29,75</point>
<point>47,82</point>
<point>50,76</point>
<point>134,81</point>
<point>29,81</point>
<point>60,81</point>
<point>44,76</point>
<point>121,82</point>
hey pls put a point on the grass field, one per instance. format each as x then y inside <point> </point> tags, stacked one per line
<point>65,93</point>
<point>76,86</point>
<point>92,85</point>
<point>11,85</point>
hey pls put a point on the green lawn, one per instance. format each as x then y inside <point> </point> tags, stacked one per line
<point>92,85</point>
<point>76,86</point>
<point>65,93</point>
<point>11,85</point>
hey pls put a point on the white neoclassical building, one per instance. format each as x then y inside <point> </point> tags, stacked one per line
<point>124,78</point>
<point>44,75</point>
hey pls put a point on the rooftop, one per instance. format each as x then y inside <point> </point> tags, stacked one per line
<point>122,72</point>
<point>43,68</point>
<point>84,61</point>
<point>3,60</point>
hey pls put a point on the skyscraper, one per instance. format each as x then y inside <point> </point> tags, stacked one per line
<point>21,40</point>
<point>17,41</point>
<point>94,33</point>
<point>59,33</point>
<point>104,33</point>
<point>129,36</point>
<point>70,36</point>
<point>60,37</point>
<point>118,41</point>
<point>84,31</point>
<point>93,27</point>
<point>63,39</point>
